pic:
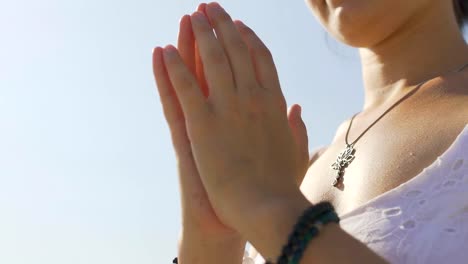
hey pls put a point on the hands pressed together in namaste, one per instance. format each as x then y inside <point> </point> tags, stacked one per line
<point>240,154</point>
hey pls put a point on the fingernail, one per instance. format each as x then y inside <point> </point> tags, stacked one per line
<point>169,51</point>
<point>241,24</point>
<point>182,18</point>
<point>155,49</point>
<point>198,16</point>
<point>216,8</point>
<point>217,5</point>
<point>201,6</point>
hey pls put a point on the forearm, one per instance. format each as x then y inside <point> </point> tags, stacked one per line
<point>331,245</point>
<point>197,248</point>
<point>334,245</point>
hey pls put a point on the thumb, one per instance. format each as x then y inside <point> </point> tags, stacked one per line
<point>299,132</point>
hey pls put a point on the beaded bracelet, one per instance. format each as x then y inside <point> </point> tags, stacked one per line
<point>307,227</point>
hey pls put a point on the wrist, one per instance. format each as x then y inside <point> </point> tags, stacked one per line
<point>198,247</point>
<point>195,233</point>
<point>269,227</point>
<point>209,227</point>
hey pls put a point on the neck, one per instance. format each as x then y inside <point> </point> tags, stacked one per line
<point>429,45</point>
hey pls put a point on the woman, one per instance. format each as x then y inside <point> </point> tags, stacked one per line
<point>245,173</point>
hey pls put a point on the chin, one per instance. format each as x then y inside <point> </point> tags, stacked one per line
<point>361,23</point>
<point>350,27</point>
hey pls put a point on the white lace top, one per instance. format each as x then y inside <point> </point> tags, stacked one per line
<point>423,220</point>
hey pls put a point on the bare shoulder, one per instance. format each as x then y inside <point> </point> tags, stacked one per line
<point>447,98</point>
<point>454,97</point>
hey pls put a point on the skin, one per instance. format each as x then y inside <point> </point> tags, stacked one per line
<point>202,231</point>
<point>421,42</point>
<point>224,92</point>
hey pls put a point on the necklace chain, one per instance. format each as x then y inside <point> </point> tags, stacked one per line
<point>347,156</point>
<point>390,108</point>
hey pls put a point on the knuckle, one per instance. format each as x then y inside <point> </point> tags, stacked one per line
<point>281,103</point>
<point>256,105</point>
<point>238,45</point>
<point>235,114</point>
<point>263,52</point>
<point>278,103</point>
<point>251,86</point>
<point>246,30</point>
<point>222,18</point>
<point>255,113</point>
<point>185,81</point>
<point>254,42</point>
<point>198,124</point>
<point>258,94</point>
<point>272,102</point>
<point>204,30</point>
<point>216,56</point>
<point>232,106</point>
<point>254,116</point>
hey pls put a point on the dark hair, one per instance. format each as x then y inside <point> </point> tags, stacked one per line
<point>461,11</point>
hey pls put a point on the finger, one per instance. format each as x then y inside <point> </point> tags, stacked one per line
<point>200,72</point>
<point>171,107</point>
<point>215,62</point>
<point>185,85</point>
<point>234,47</point>
<point>186,43</point>
<point>202,8</point>
<point>299,132</point>
<point>262,58</point>
<point>190,183</point>
<point>198,62</point>
<point>187,50</point>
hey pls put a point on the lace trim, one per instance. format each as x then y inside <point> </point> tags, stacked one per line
<point>424,220</point>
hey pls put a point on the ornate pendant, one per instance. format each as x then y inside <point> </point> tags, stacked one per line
<point>342,161</point>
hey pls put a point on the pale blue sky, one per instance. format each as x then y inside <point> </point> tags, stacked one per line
<point>87,168</point>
